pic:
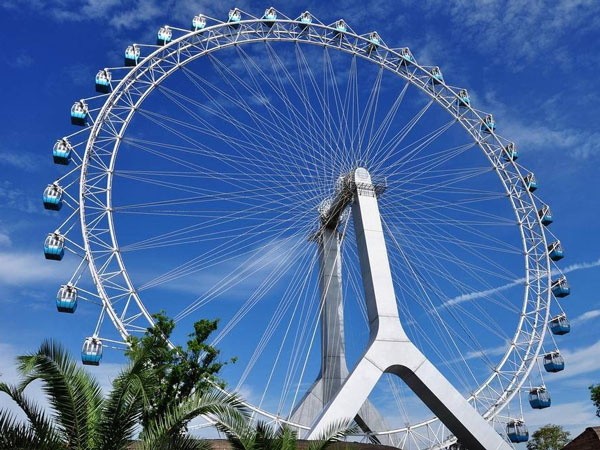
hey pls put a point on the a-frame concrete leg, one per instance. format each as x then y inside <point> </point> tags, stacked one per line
<point>390,350</point>
<point>334,369</point>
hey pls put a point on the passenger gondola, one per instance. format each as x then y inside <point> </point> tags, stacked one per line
<point>539,398</point>
<point>91,352</point>
<point>53,197</point>
<point>66,299</point>
<point>54,246</point>
<point>554,362</point>
<point>517,431</point>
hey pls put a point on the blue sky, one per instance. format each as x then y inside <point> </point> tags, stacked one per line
<point>532,64</point>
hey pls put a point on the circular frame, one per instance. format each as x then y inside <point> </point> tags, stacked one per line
<point>119,297</point>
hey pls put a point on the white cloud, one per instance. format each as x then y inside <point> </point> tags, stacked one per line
<point>142,12</point>
<point>518,30</point>
<point>588,315</point>
<point>580,361</point>
<point>580,266</point>
<point>14,198</point>
<point>5,239</point>
<point>21,160</point>
<point>577,143</point>
<point>574,417</point>
<point>21,61</point>
<point>549,135</point>
<point>487,352</point>
<point>21,268</point>
<point>487,292</point>
<point>481,294</point>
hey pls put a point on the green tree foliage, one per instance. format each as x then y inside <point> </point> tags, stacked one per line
<point>595,395</point>
<point>179,372</point>
<point>549,437</point>
<point>81,418</point>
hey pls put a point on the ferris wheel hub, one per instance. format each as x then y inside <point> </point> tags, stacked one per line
<point>332,209</point>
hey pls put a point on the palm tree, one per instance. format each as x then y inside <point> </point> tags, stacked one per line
<point>83,419</point>
<point>243,436</point>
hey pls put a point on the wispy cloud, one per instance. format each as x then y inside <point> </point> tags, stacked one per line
<point>20,61</point>
<point>5,240</point>
<point>581,360</point>
<point>550,135</point>
<point>487,352</point>
<point>517,30</point>
<point>21,160</point>
<point>573,416</point>
<point>570,141</point>
<point>14,198</point>
<point>24,268</point>
<point>487,292</point>
<point>588,315</point>
<point>482,294</point>
<point>580,266</point>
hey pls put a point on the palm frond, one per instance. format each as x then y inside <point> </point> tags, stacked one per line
<point>122,410</point>
<point>73,394</point>
<point>40,424</point>
<point>16,435</point>
<point>335,432</point>
<point>239,432</point>
<point>212,403</point>
<point>271,437</point>
<point>179,442</point>
<point>287,438</point>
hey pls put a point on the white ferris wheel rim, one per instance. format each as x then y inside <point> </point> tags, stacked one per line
<point>251,30</point>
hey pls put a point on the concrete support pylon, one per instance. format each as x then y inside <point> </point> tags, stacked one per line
<point>334,369</point>
<point>390,350</point>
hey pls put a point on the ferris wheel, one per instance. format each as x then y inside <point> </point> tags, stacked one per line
<point>237,169</point>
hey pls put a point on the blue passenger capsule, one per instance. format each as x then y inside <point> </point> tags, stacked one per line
<point>103,78</point>
<point>234,17</point>
<point>374,42</point>
<point>407,56</point>
<point>554,362</point>
<point>53,197</point>
<point>559,325</point>
<point>555,251</point>
<point>164,35</point>
<point>198,22</point>
<point>545,215</point>
<point>91,352</point>
<point>510,152</point>
<point>305,19</point>
<point>54,246</point>
<point>488,125</point>
<point>79,112</point>
<point>270,16</point>
<point>463,98</point>
<point>517,431</point>
<point>340,27</point>
<point>132,55</point>
<point>539,398</point>
<point>530,182</point>
<point>560,287</point>
<point>66,299</point>
<point>436,75</point>
<point>61,152</point>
